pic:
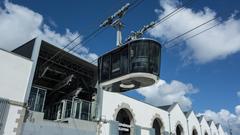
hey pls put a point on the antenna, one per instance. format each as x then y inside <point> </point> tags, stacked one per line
<point>115,22</point>
<point>139,33</point>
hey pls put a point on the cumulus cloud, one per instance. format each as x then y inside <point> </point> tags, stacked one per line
<point>163,93</point>
<point>20,24</point>
<point>238,94</point>
<point>217,43</point>
<point>226,119</point>
<point>237,110</point>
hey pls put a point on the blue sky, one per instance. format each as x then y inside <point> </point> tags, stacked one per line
<point>216,81</point>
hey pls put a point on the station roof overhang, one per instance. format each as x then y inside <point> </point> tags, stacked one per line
<point>62,74</point>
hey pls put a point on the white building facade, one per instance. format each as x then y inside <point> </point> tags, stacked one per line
<point>15,73</point>
<point>193,123</point>
<point>116,114</point>
<point>141,116</point>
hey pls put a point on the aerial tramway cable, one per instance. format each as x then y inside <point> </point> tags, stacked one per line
<point>174,12</point>
<point>183,34</point>
<point>85,40</point>
<point>178,9</point>
<point>197,34</point>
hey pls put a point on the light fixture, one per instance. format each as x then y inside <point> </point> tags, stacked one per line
<point>127,86</point>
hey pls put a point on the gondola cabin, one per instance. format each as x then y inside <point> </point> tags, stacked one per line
<point>134,65</point>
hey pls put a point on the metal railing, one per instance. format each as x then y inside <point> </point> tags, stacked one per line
<point>4,108</point>
<point>75,108</point>
<point>37,99</point>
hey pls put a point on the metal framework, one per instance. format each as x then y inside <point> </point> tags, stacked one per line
<point>115,22</point>
<point>139,33</point>
<point>4,108</point>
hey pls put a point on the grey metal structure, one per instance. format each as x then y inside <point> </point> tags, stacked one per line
<point>4,108</point>
<point>115,22</point>
<point>61,79</point>
<point>138,34</point>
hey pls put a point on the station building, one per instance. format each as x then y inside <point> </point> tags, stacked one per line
<point>42,95</point>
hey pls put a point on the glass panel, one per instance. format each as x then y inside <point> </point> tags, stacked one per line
<point>68,109</point>
<point>105,68</point>
<point>154,58</point>
<point>77,111</point>
<point>139,58</point>
<point>85,114</point>
<point>58,110</point>
<point>124,61</point>
<point>32,98</point>
<point>115,65</point>
<point>40,100</point>
<point>36,99</point>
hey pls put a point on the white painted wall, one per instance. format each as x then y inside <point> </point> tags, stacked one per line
<point>220,130</point>
<point>143,113</point>
<point>177,116</point>
<point>213,129</point>
<point>15,71</point>
<point>14,77</point>
<point>205,127</point>
<point>11,120</point>
<point>193,123</point>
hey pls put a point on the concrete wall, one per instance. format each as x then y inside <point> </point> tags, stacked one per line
<point>74,127</point>
<point>14,77</point>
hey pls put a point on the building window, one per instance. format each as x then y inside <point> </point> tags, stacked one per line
<point>86,110</point>
<point>125,119</point>
<point>37,99</point>
<point>158,126</point>
<point>179,130</point>
<point>76,108</point>
<point>105,68</point>
<point>194,132</point>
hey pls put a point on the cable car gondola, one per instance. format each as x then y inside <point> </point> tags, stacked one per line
<point>134,65</point>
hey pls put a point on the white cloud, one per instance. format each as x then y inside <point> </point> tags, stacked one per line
<point>237,110</point>
<point>238,94</point>
<point>217,43</point>
<point>20,24</point>
<point>226,119</point>
<point>163,93</point>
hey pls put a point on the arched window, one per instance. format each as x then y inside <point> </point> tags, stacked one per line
<point>194,132</point>
<point>125,119</point>
<point>158,126</point>
<point>179,130</point>
<point>205,133</point>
